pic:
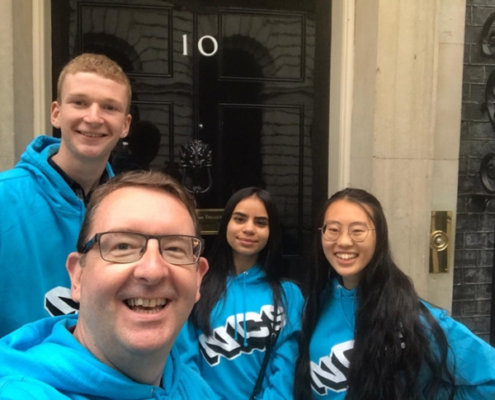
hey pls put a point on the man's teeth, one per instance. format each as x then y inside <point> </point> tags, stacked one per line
<point>146,303</point>
<point>345,256</point>
<point>92,134</point>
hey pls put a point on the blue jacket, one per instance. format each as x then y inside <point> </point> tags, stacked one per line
<point>40,218</point>
<point>43,361</point>
<point>230,360</point>
<point>333,340</point>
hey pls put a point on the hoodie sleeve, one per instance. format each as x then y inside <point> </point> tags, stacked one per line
<point>471,359</point>
<point>187,344</point>
<point>279,377</point>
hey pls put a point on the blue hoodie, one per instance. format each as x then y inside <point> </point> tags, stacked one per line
<point>43,361</point>
<point>333,341</point>
<point>230,360</point>
<point>40,219</point>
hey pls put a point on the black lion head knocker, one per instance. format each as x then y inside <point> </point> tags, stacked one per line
<point>196,162</point>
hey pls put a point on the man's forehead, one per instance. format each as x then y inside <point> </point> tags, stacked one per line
<point>78,81</point>
<point>142,208</point>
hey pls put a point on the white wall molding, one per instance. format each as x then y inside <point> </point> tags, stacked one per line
<point>42,71</point>
<point>341,94</point>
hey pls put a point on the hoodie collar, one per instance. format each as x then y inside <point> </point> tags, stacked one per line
<point>76,188</point>
<point>339,290</point>
<point>253,274</point>
<point>35,160</point>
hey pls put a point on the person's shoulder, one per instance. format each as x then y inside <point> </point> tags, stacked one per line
<point>12,176</point>
<point>457,333</point>
<point>18,191</point>
<point>32,165</point>
<point>18,183</point>
<point>292,291</point>
<point>440,314</point>
<point>21,387</point>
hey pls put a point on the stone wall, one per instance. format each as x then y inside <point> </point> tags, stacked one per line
<point>475,219</point>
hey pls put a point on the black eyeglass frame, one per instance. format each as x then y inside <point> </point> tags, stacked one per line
<point>322,230</point>
<point>97,237</point>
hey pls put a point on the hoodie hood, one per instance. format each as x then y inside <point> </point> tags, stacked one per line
<point>253,276</point>
<point>58,192</point>
<point>47,351</point>
<point>54,187</point>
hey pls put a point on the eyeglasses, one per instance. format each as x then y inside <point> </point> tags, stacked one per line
<point>357,232</point>
<point>128,247</point>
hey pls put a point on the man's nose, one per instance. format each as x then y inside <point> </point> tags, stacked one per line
<point>151,268</point>
<point>93,114</point>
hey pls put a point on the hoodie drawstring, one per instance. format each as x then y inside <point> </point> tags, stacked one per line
<point>235,314</point>
<point>343,308</point>
<point>244,308</point>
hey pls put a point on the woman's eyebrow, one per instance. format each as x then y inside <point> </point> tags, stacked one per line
<point>239,214</point>
<point>338,223</point>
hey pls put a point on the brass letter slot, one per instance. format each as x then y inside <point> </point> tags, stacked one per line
<point>441,232</point>
<point>209,219</point>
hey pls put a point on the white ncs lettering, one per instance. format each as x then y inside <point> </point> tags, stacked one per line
<point>331,371</point>
<point>231,340</point>
<point>58,301</point>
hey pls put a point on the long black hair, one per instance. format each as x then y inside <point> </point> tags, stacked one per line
<point>389,314</point>
<point>221,260</point>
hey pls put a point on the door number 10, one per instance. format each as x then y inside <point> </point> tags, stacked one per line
<point>200,45</point>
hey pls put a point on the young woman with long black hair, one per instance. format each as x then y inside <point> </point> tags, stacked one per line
<point>244,305</point>
<point>366,334</point>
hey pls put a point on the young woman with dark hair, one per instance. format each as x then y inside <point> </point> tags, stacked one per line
<point>366,334</point>
<point>244,304</point>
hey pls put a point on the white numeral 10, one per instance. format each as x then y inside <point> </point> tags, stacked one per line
<point>200,45</point>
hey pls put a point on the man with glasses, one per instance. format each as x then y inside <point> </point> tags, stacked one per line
<point>136,276</point>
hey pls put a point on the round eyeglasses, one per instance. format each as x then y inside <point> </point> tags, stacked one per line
<point>128,247</point>
<point>357,232</point>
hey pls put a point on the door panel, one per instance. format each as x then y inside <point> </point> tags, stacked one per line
<point>275,40</point>
<point>143,33</point>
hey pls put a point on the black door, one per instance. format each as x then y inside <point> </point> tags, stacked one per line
<point>238,75</point>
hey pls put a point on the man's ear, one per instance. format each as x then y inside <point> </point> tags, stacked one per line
<point>200,273</point>
<point>75,269</point>
<point>127,125</point>
<point>54,114</point>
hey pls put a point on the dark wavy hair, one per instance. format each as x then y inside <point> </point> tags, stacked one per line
<point>221,260</point>
<point>387,304</point>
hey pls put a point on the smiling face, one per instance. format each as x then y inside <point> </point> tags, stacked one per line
<point>140,307</point>
<point>348,257</point>
<point>92,116</point>
<point>248,232</point>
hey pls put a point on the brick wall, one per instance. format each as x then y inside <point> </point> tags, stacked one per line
<point>475,221</point>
